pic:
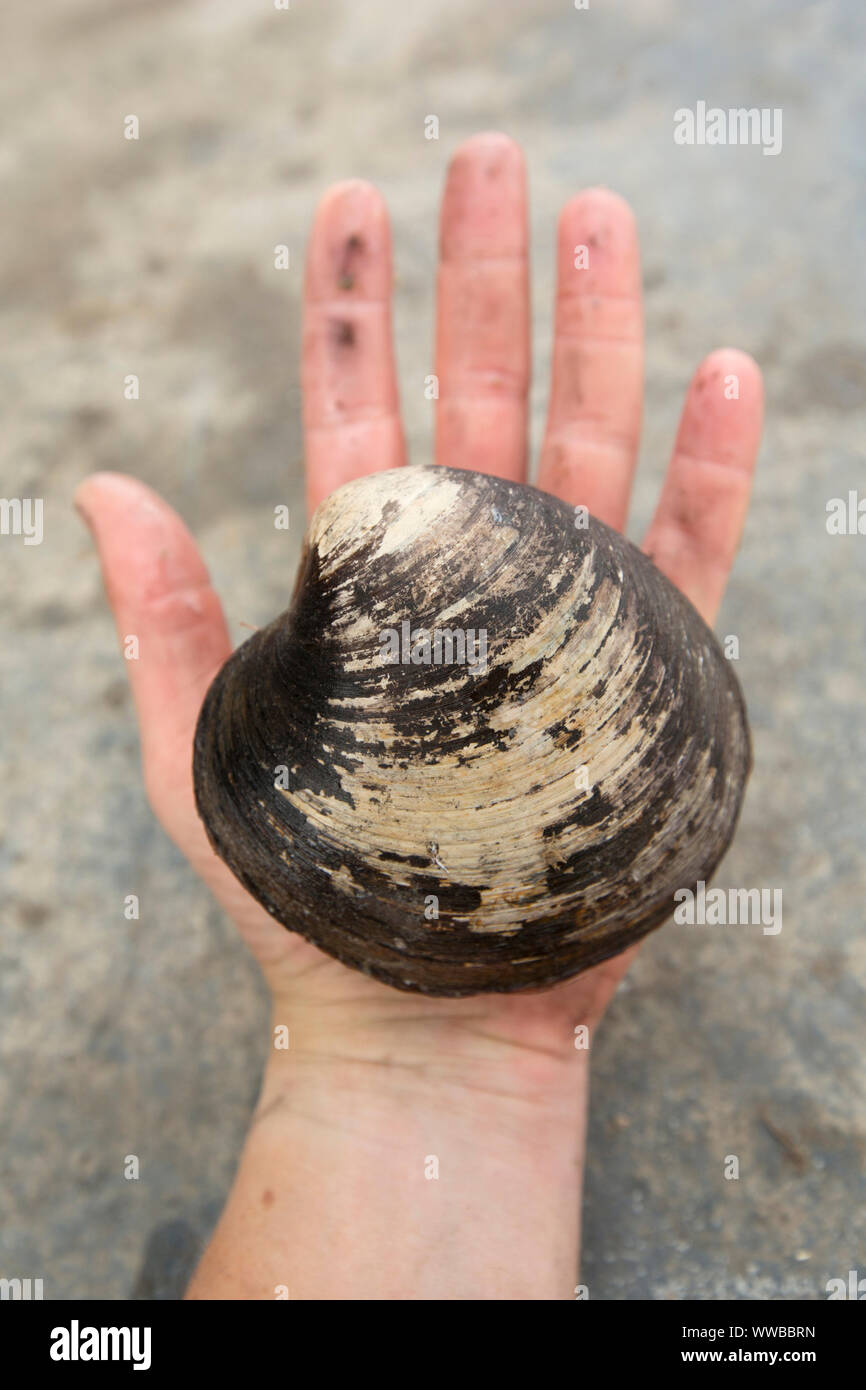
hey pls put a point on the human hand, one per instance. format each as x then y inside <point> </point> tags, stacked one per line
<point>158,585</point>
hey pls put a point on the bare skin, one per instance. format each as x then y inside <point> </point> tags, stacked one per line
<point>333,1197</point>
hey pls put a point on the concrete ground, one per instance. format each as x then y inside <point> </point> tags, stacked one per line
<point>155,257</point>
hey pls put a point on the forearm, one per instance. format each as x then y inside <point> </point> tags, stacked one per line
<point>391,1179</point>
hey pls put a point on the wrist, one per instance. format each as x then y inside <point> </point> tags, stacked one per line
<point>436,1177</point>
<point>411,1151</point>
<point>397,1043</point>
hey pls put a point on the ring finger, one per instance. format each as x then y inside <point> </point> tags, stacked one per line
<point>593,422</point>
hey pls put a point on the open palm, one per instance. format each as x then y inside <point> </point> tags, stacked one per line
<point>158,585</point>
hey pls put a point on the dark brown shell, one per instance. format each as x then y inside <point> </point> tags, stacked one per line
<point>414,787</point>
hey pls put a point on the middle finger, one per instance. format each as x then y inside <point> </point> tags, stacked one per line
<point>482,322</point>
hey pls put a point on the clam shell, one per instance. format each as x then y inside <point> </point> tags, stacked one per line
<point>458,827</point>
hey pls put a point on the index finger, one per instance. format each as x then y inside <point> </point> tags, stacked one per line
<point>351,409</point>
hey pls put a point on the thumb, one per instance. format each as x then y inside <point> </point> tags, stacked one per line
<point>169,621</point>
